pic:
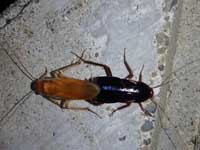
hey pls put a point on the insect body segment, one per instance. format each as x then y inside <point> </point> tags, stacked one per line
<point>115,90</point>
<point>65,88</point>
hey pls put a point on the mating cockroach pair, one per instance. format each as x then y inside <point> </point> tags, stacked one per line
<point>60,89</point>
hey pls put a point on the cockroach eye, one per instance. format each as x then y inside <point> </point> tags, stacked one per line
<point>151,93</point>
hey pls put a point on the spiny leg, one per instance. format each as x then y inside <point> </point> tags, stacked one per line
<point>105,67</point>
<point>57,72</point>
<point>145,111</point>
<point>130,75</point>
<point>95,103</point>
<point>65,105</point>
<point>120,108</point>
<point>54,101</point>
<point>44,74</point>
<point>140,75</point>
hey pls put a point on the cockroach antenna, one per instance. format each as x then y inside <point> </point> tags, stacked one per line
<point>16,105</point>
<point>26,96</point>
<point>173,125</point>
<point>168,80</point>
<point>22,68</point>
<point>165,82</point>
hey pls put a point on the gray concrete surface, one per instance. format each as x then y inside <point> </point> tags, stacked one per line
<point>44,33</point>
<point>181,97</point>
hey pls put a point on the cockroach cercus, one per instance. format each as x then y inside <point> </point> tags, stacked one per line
<point>60,89</point>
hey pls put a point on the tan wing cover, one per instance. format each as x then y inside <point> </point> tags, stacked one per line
<point>69,88</point>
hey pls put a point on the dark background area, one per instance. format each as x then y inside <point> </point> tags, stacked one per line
<point>5,4</point>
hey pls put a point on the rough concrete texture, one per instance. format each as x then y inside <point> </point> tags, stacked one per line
<point>42,33</point>
<point>181,98</point>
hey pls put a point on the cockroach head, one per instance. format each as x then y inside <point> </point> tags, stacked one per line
<point>34,86</point>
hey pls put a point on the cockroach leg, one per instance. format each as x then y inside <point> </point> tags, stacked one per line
<point>145,111</point>
<point>130,75</point>
<point>58,72</point>
<point>62,103</point>
<point>105,67</point>
<point>44,74</point>
<point>120,108</point>
<point>140,75</point>
<point>54,101</point>
<point>95,103</point>
<point>65,105</point>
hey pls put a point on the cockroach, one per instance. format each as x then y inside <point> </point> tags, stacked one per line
<point>61,90</point>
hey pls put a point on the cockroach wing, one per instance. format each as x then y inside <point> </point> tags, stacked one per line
<point>69,88</point>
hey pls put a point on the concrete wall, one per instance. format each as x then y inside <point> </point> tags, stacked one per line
<point>181,98</point>
<point>42,34</point>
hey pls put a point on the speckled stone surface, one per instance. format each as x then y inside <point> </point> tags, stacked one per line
<point>41,33</point>
<point>181,98</point>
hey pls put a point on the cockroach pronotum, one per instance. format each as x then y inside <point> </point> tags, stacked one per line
<point>99,90</point>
